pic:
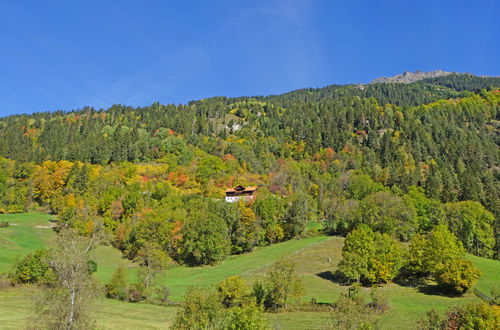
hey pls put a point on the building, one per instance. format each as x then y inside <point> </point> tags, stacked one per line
<point>240,192</point>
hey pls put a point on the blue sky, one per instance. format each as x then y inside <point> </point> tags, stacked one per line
<point>68,54</point>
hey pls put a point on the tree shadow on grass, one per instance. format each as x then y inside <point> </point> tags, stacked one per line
<point>425,286</point>
<point>335,277</point>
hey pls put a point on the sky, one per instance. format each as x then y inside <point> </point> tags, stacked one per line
<point>64,55</point>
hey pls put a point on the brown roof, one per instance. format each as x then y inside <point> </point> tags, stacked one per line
<point>241,189</point>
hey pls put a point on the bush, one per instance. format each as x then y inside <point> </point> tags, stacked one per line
<point>204,309</point>
<point>136,292</point>
<point>280,285</point>
<point>233,291</point>
<point>33,268</point>
<point>457,275</point>
<point>4,224</point>
<point>378,302</point>
<point>117,288</point>
<point>474,316</point>
<point>351,312</point>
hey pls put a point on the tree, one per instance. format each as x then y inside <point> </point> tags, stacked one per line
<point>473,225</point>
<point>203,309</point>
<point>429,212</point>
<point>69,302</point>
<point>429,254</point>
<point>457,275</point>
<point>280,284</point>
<point>301,209</point>
<point>362,185</point>
<point>153,261</point>
<point>440,254</point>
<point>370,257</point>
<point>474,316</point>
<point>387,213</point>
<point>233,291</point>
<point>204,239</point>
<point>269,211</point>
<point>117,288</point>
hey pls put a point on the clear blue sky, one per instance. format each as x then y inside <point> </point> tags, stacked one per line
<point>67,54</point>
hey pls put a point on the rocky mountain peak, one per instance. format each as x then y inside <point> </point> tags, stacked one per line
<point>409,77</point>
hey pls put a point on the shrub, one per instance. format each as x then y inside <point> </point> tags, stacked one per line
<point>378,302</point>
<point>117,288</point>
<point>280,285</point>
<point>351,312</point>
<point>457,275</point>
<point>33,268</point>
<point>474,316</point>
<point>136,292</point>
<point>233,291</point>
<point>478,316</point>
<point>203,309</point>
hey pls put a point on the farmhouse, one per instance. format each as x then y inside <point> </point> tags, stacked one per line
<point>240,192</point>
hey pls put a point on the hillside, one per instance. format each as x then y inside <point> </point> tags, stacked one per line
<point>317,258</point>
<point>390,185</point>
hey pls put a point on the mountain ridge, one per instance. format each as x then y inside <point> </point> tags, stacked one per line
<point>409,77</point>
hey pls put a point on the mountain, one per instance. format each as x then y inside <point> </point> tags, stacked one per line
<point>410,77</point>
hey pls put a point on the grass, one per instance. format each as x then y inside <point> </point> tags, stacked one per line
<point>179,278</point>
<point>316,258</point>
<point>16,306</point>
<point>27,232</point>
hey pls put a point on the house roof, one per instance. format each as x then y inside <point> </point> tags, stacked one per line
<point>241,189</point>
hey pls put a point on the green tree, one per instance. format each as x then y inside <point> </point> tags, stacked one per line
<point>429,212</point>
<point>301,210</point>
<point>473,225</point>
<point>387,213</point>
<point>457,275</point>
<point>203,309</point>
<point>362,185</point>
<point>233,291</point>
<point>117,288</point>
<point>428,255</point>
<point>153,261</point>
<point>204,239</point>
<point>280,285</point>
<point>370,257</point>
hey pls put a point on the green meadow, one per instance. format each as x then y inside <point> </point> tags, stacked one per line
<point>316,259</point>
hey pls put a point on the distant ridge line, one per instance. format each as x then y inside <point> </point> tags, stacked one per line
<point>409,77</point>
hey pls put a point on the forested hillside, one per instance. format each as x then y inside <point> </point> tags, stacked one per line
<point>400,158</point>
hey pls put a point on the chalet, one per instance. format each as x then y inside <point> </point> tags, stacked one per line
<point>240,192</point>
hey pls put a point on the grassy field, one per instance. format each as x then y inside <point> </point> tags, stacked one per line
<point>179,278</point>
<point>316,258</point>
<point>26,233</point>
<point>31,231</point>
